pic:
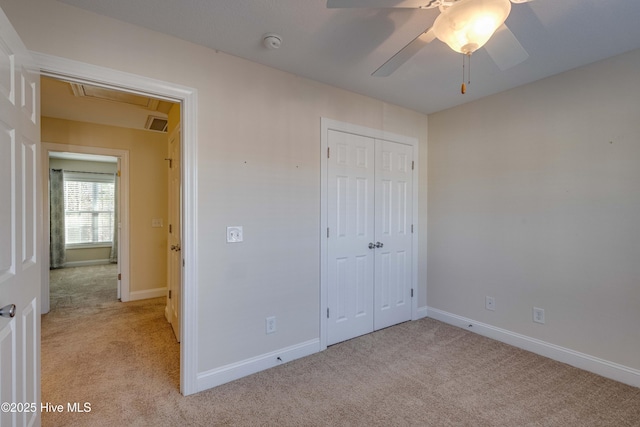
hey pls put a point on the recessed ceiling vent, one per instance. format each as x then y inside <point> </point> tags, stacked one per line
<point>83,90</point>
<point>157,124</point>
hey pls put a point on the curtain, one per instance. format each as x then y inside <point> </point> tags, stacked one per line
<point>57,256</point>
<point>113,256</point>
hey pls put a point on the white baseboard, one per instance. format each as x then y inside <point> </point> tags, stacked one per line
<point>605,368</point>
<point>147,293</point>
<point>421,312</point>
<point>87,263</point>
<point>234,371</point>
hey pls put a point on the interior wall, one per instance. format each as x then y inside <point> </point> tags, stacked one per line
<point>533,199</point>
<point>173,118</point>
<point>258,167</point>
<point>85,255</point>
<point>147,190</point>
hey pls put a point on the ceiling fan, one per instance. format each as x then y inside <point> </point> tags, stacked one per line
<point>465,25</point>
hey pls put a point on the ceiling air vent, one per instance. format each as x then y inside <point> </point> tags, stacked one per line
<point>83,90</point>
<point>156,123</point>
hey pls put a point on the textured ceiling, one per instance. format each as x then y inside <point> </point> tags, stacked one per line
<point>342,47</point>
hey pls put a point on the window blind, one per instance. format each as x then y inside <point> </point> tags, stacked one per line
<point>89,202</point>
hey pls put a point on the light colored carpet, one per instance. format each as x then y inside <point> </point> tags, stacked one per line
<point>84,288</point>
<point>123,359</point>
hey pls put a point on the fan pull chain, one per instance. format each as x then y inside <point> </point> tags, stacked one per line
<point>463,88</point>
<point>469,69</point>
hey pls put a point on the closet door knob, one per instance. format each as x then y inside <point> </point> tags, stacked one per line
<point>8,310</point>
<point>371,246</point>
<point>379,245</point>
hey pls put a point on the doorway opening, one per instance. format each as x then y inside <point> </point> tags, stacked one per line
<point>103,226</point>
<point>84,232</point>
<point>70,70</point>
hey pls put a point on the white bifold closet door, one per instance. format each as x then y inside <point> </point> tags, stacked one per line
<point>369,237</point>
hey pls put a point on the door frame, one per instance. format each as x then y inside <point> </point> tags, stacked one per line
<point>123,247</point>
<point>70,70</point>
<point>327,125</point>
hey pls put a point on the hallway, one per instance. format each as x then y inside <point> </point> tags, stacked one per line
<point>117,357</point>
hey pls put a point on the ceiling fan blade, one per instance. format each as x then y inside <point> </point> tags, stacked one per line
<point>412,4</point>
<point>405,54</point>
<point>505,50</point>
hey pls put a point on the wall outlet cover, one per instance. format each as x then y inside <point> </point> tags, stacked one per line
<point>271,324</point>
<point>234,234</point>
<point>538,315</point>
<point>490,303</point>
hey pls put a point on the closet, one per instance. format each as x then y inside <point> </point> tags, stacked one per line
<point>369,242</point>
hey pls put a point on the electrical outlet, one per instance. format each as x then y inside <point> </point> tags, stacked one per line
<point>538,315</point>
<point>490,303</point>
<point>271,324</point>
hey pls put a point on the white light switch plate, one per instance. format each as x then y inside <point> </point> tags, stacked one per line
<point>156,222</point>
<point>234,234</point>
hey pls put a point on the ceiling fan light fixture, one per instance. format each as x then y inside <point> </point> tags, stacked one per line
<point>467,25</point>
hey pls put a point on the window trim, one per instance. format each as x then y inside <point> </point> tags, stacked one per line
<point>96,245</point>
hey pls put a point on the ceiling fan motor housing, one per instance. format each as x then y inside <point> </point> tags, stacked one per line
<point>467,25</point>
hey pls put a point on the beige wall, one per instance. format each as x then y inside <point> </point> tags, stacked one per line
<point>86,256</point>
<point>173,118</point>
<point>147,190</point>
<point>534,199</point>
<point>79,256</point>
<point>258,166</point>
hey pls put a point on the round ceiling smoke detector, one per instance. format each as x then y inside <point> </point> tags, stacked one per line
<point>271,41</point>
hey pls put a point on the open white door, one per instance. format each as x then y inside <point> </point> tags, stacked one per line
<point>20,231</point>
<point>119,225</point>
<point>174,261</point>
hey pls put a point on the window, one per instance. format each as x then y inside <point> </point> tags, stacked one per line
<point>89,205</point>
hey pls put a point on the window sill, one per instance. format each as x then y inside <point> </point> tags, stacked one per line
<point>88,246</point>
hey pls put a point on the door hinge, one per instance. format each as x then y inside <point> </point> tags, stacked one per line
<point>119,276</point>
<point>328,152</point>
<point>170,228</point>
<point>183,263</point>
<point>169,293</point>
<point>118,173</point>
<point>412,164</point>
<point>411,228</point>
<point>411,292</point>
<point>327,232</point>
<point>327,312</point>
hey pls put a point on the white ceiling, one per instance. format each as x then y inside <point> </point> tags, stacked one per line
<point>342,47</point>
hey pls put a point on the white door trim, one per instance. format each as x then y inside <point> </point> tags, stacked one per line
<point>123,247</point>
<point>329,124</point>
<point>66,69</point>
